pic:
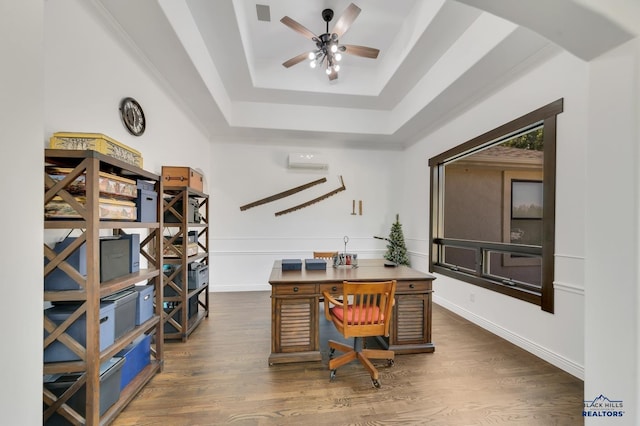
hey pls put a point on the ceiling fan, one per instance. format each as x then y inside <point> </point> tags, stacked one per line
<point>328,50</point>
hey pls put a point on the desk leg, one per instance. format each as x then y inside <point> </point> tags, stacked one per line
<point>294,329</point>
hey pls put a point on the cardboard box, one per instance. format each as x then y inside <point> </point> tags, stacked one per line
<point>110,209</point>
<point>175,250</point>
<point>109,185</point>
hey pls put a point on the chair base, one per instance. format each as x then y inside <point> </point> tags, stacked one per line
<point>360,353</point>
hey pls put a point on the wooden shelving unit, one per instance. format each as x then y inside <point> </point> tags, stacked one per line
<point>87,299</point>
<point>185,308</point>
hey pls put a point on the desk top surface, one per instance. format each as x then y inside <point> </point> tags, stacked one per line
<point>367,270</point>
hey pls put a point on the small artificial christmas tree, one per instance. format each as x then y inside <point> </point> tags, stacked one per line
<point>396,249</point>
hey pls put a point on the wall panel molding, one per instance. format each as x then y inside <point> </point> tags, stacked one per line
<point>568,288</point>
<point>362,254</point>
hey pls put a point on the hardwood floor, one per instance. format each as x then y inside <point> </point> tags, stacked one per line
<point>221,376</point>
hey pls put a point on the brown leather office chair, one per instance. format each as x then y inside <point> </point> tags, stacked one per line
<point>366,314</point>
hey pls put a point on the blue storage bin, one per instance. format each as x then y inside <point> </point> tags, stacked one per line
<point>315,264</point>
<point>144,303</point>
<point>58,351</point>
<point>58,279</point>
<point>197,275</point>
<point>137,356</point>
<point>145,184</point>
<point>147,203</point>
<point>168,307</point>
<point>116,258</point>
<point>291,264</point>
<point>110,376</point>
<point>124,303</point>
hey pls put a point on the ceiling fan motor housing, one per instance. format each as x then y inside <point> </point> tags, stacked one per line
<point>325,38</point>
<point>327,15</point>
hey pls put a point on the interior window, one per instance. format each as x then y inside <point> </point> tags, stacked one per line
<point>493,208</point>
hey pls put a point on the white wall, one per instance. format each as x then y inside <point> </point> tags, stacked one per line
<point>244,244</point>
<point>89,70</point>
<point>558,338</point>
<point>21,106</point>
<point>612,223</point>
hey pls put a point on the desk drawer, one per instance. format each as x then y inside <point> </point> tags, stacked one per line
<point>332,289</point>
<point>413,286</point>
<point>294,289</point>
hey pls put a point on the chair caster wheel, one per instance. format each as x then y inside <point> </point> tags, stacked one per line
<point>332,375</point>
<point>376,383</point>
<point>391,362</point>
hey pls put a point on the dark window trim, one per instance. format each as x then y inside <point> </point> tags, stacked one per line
<point>547,115</point>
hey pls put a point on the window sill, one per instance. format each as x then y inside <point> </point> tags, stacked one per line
<point>498,287</point>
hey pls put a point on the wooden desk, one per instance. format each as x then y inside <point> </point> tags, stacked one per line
<point>295,310</point>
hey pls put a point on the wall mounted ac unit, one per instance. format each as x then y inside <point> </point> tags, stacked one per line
<point>307,161</point>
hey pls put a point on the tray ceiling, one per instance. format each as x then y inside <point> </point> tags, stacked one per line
<point>223,64</point>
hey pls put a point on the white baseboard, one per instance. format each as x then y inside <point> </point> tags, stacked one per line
<point>541,352</point>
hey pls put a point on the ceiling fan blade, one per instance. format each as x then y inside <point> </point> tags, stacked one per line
<point>346,19</point>
<point>365,52</point>
<point>295,60</point>
<point>294,25</point>
<point>333,75</point>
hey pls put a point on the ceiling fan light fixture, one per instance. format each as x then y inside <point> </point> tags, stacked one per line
<point>328,49</point>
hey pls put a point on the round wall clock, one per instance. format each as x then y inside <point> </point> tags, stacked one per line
<point>132,116</point>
